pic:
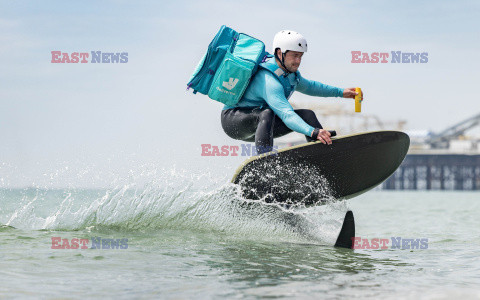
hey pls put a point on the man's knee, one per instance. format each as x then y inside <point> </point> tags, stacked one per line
<point>309,117</point>
<point>267,114</point>
<point>266,118</point>
<point>306,114</point>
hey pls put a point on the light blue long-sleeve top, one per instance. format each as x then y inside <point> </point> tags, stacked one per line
<point>266,90</point>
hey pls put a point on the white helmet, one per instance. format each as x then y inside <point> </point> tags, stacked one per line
<point>289,40</point>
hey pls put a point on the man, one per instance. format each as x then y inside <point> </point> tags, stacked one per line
<point>264,112</point>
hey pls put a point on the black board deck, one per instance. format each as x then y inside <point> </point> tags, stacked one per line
<point>307,173</point>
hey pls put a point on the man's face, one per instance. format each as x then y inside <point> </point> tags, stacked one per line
<point>292,60</point>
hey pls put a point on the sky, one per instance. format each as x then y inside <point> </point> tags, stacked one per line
<point>98,125</point>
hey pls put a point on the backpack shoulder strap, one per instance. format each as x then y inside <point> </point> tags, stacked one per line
<point>280,75</point>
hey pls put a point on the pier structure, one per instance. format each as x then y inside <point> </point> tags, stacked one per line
<point>448,160</point>
<point>436,171</point>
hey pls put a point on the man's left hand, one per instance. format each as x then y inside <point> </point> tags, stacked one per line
<point>350,93</point>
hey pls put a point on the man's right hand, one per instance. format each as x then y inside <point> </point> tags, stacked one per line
<point>324,136</point>
<point>351,93</point>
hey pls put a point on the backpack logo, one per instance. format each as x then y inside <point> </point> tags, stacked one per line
<point>230,84</point>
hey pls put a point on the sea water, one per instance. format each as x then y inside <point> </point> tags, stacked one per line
<point>183,235</point>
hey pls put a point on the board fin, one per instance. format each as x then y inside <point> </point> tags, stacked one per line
<point>347,233</point>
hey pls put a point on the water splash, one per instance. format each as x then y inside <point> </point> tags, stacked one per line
<point>178,199</point>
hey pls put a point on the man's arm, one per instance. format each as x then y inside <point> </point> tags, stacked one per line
<point>315,88</point>
<point>275,98</point>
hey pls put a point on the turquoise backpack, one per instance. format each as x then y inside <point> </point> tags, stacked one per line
<point>225,71</point>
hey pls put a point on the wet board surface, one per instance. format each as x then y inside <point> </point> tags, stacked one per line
<point>311,172</point>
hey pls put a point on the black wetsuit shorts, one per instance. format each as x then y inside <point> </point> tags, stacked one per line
<point>261,125</point>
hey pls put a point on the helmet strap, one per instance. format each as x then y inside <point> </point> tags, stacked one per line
<point>282,62</point>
